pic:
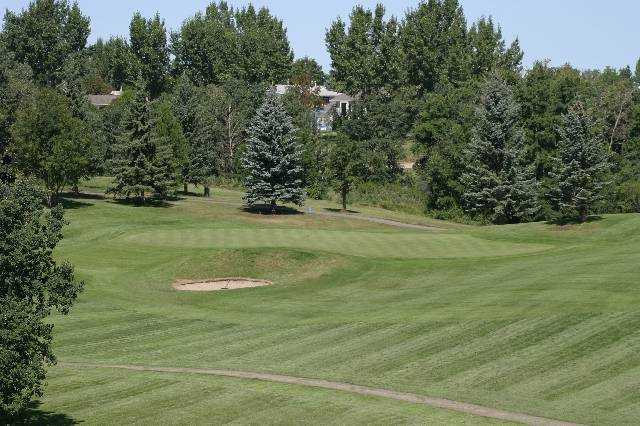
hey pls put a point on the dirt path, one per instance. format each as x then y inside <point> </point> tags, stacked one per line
<point>447,404</point>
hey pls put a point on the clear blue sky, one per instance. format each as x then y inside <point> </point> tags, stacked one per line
<point>586,33</point>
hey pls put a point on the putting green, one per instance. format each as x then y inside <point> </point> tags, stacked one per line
<point>397,245</point>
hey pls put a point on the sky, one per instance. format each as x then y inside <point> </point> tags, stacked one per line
<point>586,33</point>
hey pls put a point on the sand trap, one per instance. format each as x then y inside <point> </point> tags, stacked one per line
<point>219,284</point>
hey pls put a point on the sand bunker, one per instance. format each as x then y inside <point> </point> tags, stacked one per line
<point>219,284</point>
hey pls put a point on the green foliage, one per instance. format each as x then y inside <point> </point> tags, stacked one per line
<point>115,61</point>
<point>273,157</point>
<point>171,147</point>
<point>442,132</point>
<point>148,38</point>
<point>226,43</point>
<point>144,154</point>
<point>581,168</point>
<point>16,90</point>
<point>365,57</point>
<point>32,284</point>
<point>499,186</point>
<point>307,70</point>
<point>347,163</point>
<point>44,35</point>
<point>51,144</point>
<point>435,44</point>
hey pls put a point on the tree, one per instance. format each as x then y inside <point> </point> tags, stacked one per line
<point>141,154</point>
<point>225,43</point>
<point>488,51</point>
<point>273,158</point>
<point>579,175</point>
<point>498,185</point>
<point>366,56</point>
<point>171,148</point>
<point>206,47</point>
<point>206,148</point>
<point>265,53</point>
<point>307,71</point>
<point>346,163</point>
<point>44,35</point>
<point>32,285</point>
<point>442,133</point>
<point>115,61</point>
<point>50,143</point>
<point>148,39</point>
<point>16,90</point>
<point>435,44</point>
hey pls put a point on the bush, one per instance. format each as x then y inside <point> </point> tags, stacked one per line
<point>405,196</point>
<point>629,197</point>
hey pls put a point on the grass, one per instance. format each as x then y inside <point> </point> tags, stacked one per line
<point>535,318</point>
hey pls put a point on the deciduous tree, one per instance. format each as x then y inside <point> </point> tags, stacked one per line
<point>32,285</point>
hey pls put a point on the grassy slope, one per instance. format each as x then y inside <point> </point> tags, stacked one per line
<point>529,318</point>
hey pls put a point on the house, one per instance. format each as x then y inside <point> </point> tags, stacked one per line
<point>332,102</point>
<point>100,101</point>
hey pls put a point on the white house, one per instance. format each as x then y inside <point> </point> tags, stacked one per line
<point>332,101</point>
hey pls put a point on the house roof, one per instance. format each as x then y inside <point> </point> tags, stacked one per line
<point>102,100</point>
<point>322,91</point>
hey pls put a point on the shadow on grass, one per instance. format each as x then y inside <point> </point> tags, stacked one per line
<point>573,221</point>
<point>334,210</point>
<point>266,209</point>
<point>83,196</point>
<point>146,203</point>
<point>69,204</point>
<point>34,416</point>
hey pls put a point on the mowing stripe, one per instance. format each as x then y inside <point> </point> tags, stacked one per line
<point>447,404</point>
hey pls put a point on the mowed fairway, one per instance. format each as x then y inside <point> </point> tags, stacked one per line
<point>533,318</point>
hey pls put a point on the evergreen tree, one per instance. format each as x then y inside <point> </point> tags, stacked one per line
<point>498,186</point>
<point>579,175</point>
<point>171,149</point>
<point>141,157</point>
<point>273,158</point>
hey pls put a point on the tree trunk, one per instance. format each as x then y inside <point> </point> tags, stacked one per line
<point>344,200</point>
<point>272,206</point>
<point>207,191</point>
<point>583,215</point>
<point>75,189</point>
<point>50,198</point>
<point>185,188</point>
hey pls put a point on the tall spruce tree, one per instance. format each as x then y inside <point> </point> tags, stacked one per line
<point>141,156</point>
<point>580,170</point>
<point>498,185</point>
<point>273,158</point>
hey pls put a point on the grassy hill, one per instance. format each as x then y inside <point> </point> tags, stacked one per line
<point>533,318</point>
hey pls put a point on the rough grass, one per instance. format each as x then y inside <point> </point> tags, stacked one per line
<point>534,318</point>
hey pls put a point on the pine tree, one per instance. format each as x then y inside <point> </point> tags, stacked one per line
<point>273,159</point>
<point>498,185</point>
<point>581,166</point>
<point>143,160</point>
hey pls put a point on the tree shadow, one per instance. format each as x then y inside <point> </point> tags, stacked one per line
<point>564,221</point>
<point>82,196</point>
<point>32,415</point>
<point>69,204</point>
<point>266,210</point>
<point>152,202</point>
<point>335,210</point>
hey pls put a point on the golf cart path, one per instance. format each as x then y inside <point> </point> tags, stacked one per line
<point>447,404</point>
